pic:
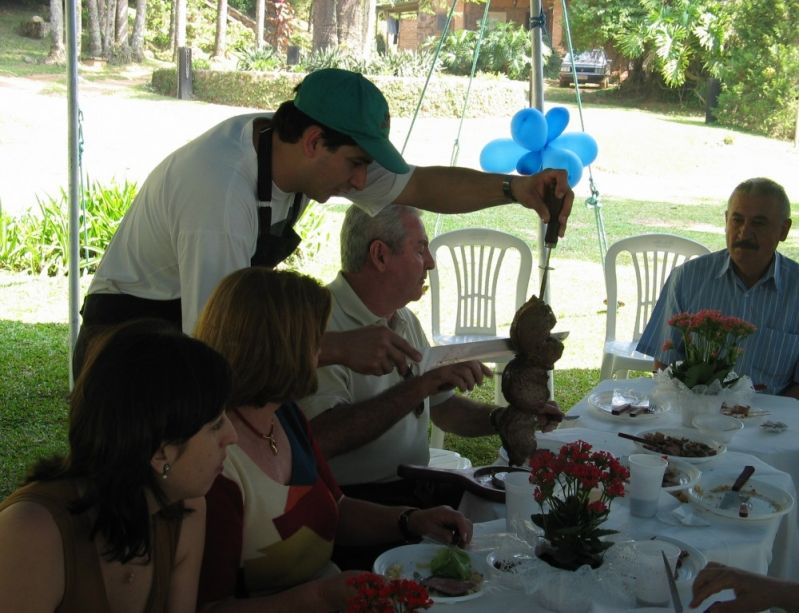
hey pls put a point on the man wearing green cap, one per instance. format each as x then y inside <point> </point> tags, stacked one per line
<point>229,199</point>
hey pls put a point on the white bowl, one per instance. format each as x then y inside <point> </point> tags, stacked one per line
<point>723,427</point>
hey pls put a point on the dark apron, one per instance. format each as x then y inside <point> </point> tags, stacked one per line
<point>274,244</point>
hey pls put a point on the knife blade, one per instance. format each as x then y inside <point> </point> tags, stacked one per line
<point>733,497</point>
<point>675,595</point>
<point>555,205</point>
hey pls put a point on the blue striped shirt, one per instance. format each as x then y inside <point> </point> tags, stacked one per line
<point>771,355</point>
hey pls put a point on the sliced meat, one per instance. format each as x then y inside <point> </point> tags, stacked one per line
<point>450,587</point>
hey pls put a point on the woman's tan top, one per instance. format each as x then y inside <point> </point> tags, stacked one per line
<point>84,589</point>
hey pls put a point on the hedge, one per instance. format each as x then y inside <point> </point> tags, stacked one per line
<point>444,97</point>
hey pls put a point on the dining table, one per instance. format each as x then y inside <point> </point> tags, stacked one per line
<point>765,546</point>
<point>777,448</point>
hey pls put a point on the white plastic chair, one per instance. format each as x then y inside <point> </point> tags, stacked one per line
<point>654,256</point>
<point>477,256</point>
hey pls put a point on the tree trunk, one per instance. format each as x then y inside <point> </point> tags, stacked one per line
<point>121,25</point>
<point>370,29</point>
<point>324,25</point>
<point>137,39</point>
<point>108,27</point>
<point>95,36</point>
<point>260,18</point>
<point>180,27</point>
<point>350,21</point>
<point>58,53</point>
<point>220,44</point>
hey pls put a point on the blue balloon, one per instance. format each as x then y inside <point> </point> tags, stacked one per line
<point>555,157</point>
<point>580,143</point>
<point>501,155</point>
<point>529,163</point>
<point>529,129</point>
<point>557,119</point>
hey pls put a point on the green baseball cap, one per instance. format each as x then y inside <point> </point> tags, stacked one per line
<point>351,104</point>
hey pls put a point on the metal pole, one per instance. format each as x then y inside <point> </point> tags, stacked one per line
<point>537,101</point>
<point>74,178</point>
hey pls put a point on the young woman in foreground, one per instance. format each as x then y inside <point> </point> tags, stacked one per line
<point>118,524</point>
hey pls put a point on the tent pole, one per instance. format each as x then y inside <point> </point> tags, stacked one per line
<point>537,23</point>
<point>537,101</point>
<point>74,178</point>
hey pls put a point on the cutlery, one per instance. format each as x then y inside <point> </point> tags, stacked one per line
<point>645,441</point>
<point>675,595</point>
<point>733,497</point>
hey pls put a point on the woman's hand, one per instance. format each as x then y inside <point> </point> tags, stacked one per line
<point>443,524</point>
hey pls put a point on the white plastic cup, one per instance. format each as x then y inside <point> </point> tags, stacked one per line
<point>646,482</point>
<point>519,503</point>
<point>651,583</point>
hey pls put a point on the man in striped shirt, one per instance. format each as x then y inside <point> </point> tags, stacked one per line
<point>748,279</point>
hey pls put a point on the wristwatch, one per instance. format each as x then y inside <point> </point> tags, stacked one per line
<point>506,189</point>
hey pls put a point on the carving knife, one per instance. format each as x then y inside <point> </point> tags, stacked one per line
<point>555,205</point>
<point>675,595</point>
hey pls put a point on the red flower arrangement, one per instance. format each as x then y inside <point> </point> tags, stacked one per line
<point>577,485</point>
<point>376,594</point>
<point>710,344</point>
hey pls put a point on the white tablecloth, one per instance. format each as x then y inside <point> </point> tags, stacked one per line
<point>780,451</point>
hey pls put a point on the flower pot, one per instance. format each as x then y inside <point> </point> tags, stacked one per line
<point>693,405</point>
<point>568,558</point>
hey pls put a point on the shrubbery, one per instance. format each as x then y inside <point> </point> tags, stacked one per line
<point>38,241</point>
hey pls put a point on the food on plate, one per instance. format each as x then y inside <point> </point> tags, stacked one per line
<point>631,409</point>
<point>452,573</point>
<point>451,562</point>
<point>736,410</point>
<point>678,446</point>
<point>671,477</point>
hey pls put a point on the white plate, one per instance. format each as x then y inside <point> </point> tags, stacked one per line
<point>603,403</point>
<point>690,564</point>
<point>692,435</point>
<point>766,500</point>
<point>413,562</point>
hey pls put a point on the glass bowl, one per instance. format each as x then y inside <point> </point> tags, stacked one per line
<point>723,427</point>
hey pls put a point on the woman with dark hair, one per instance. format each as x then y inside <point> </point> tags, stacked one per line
<point>118,524</point>
<point>276,510</point>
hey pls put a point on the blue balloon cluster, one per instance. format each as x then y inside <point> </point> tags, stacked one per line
<point>539,142</point>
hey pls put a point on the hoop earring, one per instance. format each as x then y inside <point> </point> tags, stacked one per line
<point>165,470</point>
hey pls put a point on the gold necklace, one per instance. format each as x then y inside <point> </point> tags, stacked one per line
<point>270,438</point>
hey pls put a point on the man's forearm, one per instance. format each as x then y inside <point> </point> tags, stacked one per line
<point>443,189</point>
<point>464,417</point>
<point>343,428</point>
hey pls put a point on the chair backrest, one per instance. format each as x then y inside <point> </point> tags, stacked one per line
<point>654,256</point>
<point>477,257</point>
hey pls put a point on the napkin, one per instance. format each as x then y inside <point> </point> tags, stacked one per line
<point>686,515</point>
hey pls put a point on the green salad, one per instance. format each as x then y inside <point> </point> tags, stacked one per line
<point>452,563</point>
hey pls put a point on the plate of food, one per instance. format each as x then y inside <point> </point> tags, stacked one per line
<point>622,406</point>
<point>690,562</point>
<point>682,444</point>
<point>449,573</point>
<point>744,412</point>
<point>760,500</point>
